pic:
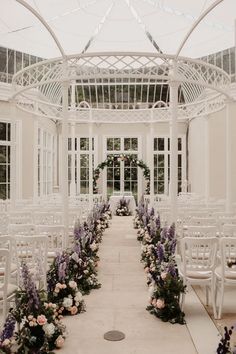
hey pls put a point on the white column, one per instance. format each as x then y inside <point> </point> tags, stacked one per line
<point>173,145</point>
<point>90,160</point>
<point>64,157</point>
<point>151,166</point>
<point>13,170</point>
<point>72,183</point>
<point>229,171</point>
<point>207,161</point>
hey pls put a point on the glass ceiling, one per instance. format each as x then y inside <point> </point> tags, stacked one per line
<point>117,25</point>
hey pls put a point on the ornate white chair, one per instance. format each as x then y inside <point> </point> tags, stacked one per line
<point>55,236</point>
<point>226,271</point>
<point>198,261</point>
<point>21,229</point>
<point>33,251</point>
<point>199,231</point>
<point>7,290</point>
<point>229,230</point>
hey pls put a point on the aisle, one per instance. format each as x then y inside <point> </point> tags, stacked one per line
<point>120,304</point>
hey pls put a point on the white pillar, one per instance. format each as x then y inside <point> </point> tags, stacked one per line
<point>72,183</point>
<point>207,161</point>
<point>64,157</point>
<point>13,174</point>
<point>173,190</point>
<point>90,160</point>
<point>229,115</point>
<point>151,163</point>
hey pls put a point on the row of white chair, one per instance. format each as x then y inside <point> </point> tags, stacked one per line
<point>202,264</point>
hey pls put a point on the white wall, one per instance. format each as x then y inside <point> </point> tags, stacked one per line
<point>217,154</point>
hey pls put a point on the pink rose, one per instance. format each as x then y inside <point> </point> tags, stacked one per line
<point>73,310</point>
<point>163,275</point>
<point>154,302</point>
<point>146,270</point>
<point>41,319</point>
<point>59,342</point>
<point>160,304</point>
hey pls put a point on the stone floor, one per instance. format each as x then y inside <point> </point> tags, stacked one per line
<point>120,304</point>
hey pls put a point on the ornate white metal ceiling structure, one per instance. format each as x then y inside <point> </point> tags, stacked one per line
<point>120,87</point>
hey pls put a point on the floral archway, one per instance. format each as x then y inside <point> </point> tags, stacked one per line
<point>121,157</point>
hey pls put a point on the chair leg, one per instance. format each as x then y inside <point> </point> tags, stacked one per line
<point>221,299</point>
<point>207,295</point>
<point>213,299</point>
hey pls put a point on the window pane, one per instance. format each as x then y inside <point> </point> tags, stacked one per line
<point>155,144</point>
<point>3,191</point>
<point>3,60</point>
<point>84,144</point>
<point>109,144</point>
<point>3,131</point>
<point>161,144</point>
<point>3,154</point>
<point>179,144</point>
<point>116,144</point>
<point>127,144</point>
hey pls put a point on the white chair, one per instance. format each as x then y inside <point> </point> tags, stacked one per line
<point>21,229</point>
<point>7,290</point>
<point>33,251</point>
<point>229,230</point>
<point>226,274</point>
<point>198,261</point>
<point>6,243</point>
<point>199,231</point>
<point>55,235</point>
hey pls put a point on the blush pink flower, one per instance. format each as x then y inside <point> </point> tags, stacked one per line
<point>160,304</point>
<point>73,310</point>
<point>59,342</point>
<point>41,320</point>
<point>163,275</point>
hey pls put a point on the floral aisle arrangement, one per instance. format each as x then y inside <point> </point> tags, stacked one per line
<point>158,256</point>
<point>122,208</point>
<point>74,272</point>
<point>40,329</point>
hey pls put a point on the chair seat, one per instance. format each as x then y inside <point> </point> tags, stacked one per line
<point>197,274</point>
<point>11,289</point>
<point>229,274</point>
<point>13,269</point>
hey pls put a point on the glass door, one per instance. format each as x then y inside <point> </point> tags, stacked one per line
<point>114,176</point>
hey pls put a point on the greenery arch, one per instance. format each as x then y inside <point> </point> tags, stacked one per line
<point>122,157</point>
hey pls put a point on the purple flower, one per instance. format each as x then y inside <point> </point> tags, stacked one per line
<point>160,252</point>
<point>158,222</point>
<point>164,234</point>
<point>8,329</point>
<point>172,270</point>
<point>171,232</point>
<point>30,288</point>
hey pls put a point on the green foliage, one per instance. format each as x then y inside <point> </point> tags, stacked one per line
<point>127,157</point>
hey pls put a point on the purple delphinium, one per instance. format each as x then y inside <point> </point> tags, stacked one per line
<point>152,212</point>
<point>78,232</point>
<point>164,234</point>
<point>171,232</point>
<point>62,261</point>
<point>172,269</point>
<point>158,222</point>
<point>160,252</point>
<point>30,288</point>
<point>8,328</point>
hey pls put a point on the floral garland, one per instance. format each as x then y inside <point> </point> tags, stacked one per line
<point>158,249</point>
<point>122,208</point>
<point>121,157</point>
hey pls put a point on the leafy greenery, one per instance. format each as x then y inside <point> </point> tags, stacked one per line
<point>127,157</point>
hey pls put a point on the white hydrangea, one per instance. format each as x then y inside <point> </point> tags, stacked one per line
<point>67,302</point>
<point>78,297</point>
<point>49,329</point>
<point>93,246</point>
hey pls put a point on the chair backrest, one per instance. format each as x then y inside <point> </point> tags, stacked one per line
<point>202,221</point>
<point>21,229</point>
<point>229,230</point>
<point>5,266</point>
<point>48,218</point>
<point>228,254</point>
<point>199,231</point>
<point>33,251</point>
<point>199,253</point>
<point>20,217</point>
<point>55,235</point>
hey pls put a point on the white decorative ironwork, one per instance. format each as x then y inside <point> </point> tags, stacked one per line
<point>104,76</point>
